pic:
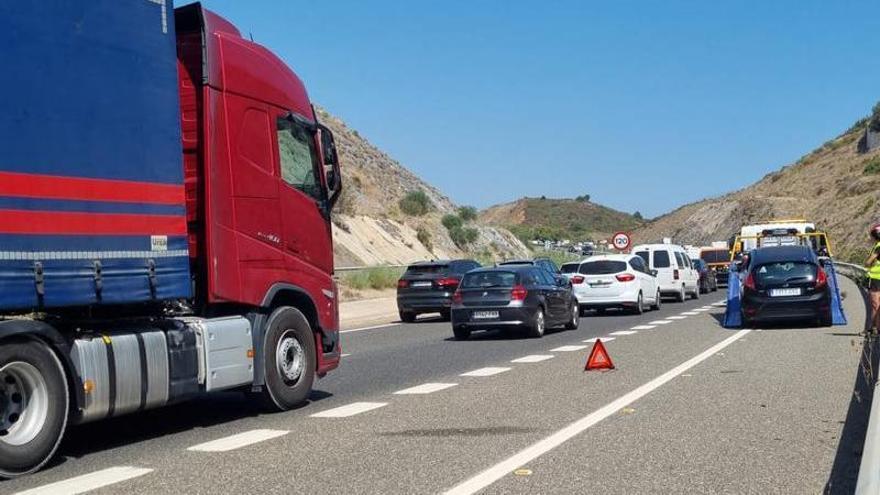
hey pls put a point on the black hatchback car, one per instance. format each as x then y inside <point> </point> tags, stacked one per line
<point>427,287</point>
<point>785,283</point>
<point>545,263</point>
<point>513,296</point>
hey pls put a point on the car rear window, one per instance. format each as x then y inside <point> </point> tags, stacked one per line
<point>426,269</point>
<point>661,259</point>
<point>719,256</point>
<point>602,267</point>
<point>485,280</point>
<point>782,272</point>
<point>569,268</point>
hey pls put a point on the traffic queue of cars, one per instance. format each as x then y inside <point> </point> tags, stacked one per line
<point>533,295</point>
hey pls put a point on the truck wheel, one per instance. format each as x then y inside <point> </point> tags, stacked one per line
<point>34,403</point>
<point>289,359</point>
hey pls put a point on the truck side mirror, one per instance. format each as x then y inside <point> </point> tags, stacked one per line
<point>331,160</point>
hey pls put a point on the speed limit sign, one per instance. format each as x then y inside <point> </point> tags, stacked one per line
<point>621,241</point>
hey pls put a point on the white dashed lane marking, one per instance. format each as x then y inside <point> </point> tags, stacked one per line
<point>349,410</point>
<point>533,358</point>
<point>643,327</point>
<point>690,313</point>
<point>238,441</point>
<point>427,388</point>
<point>623,332</point>
<point>676,317</point>
<point>568,348</point>
<point>659,322</point>
<point>89,482</point>
<point>486,371</point>
<point>701,310</point>
<point>604,339</point>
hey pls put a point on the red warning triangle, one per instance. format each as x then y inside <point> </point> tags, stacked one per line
<point>599,358</point>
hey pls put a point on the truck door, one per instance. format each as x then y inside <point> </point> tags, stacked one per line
<point>306,229</point>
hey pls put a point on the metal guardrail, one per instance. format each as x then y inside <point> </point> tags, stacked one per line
<point>341,269</point>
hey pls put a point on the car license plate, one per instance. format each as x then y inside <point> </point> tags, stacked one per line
<point>785,292</point>
<point>422,284</point>
<point>485,315</point>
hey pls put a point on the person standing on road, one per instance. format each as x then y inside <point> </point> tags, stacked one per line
<point>873,265</point>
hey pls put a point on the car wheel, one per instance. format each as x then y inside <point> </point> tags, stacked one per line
<point>575,317</point>
<point>640,305</point>
<point>682,295</point>
<point>407,316</point>
<point>461,333</point>
<point>445,315</point>
<point>826,320</point>
<point>289,358</point>
<point>536,329</point>
<point>657,301</point>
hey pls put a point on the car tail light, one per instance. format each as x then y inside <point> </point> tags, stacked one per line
<point>518,293</point>
<point>750,282</point>
<point>675,274</point>
<point>402,284</point>
<point>625,277</point>
<point>448,282</point>
<point>577,279</point>
<point>457,297</point>
<point>821,278</point>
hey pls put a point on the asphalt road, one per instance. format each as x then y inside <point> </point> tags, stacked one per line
<point>691,407</point>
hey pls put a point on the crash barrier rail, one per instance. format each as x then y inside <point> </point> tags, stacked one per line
<point>869,469</point>
<point>340,269</point>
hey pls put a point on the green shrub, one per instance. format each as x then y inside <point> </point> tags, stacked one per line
<point>638,215</point>
<point>584,199</point>
<point>451,221</point>
<point>416,204</point>
<point>377,277</point>
<point>872,166</point>
<point>467,213</point>
<point>462,236</point>
<point>424,237</point>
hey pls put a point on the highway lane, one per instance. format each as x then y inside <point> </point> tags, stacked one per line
<point>432,442</point>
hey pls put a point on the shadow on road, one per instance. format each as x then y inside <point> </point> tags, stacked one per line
<point>845,471</point>
<point>210,410</point>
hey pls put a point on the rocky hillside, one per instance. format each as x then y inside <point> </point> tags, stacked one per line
<point>369,227</point>
<point>837,186</point>
<point>575,219</point>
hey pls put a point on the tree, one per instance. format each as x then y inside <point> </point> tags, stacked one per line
<point>467,213</point>
<point>638,215</point>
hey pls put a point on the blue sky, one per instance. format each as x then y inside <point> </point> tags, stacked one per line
<point>643,105</point>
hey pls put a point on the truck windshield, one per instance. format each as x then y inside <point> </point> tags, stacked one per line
<point>715,256</point>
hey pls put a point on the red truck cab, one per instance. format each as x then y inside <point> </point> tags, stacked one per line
<point>261,178</point>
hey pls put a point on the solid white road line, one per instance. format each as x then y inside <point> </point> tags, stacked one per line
<point>569,348</point>
<point>532,358</point>
<point>659,322</point>
<point>690,313</point>
<point>489,371</point>
<point>349,410</point>
<point>427,388</point>
<point>345,355</point>
<point>238,441</point>
<point>676,317</point>
<point>623,332</point>
<point>498,471</point>
<point>593,340</point>
<point>386,325</point>
<point>643,327</point>
<point>88,482</point>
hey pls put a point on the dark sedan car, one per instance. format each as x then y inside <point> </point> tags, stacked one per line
<point>428,287</point>
<point>785,283</point>
<point>708,282</point>
<point>513,296</point>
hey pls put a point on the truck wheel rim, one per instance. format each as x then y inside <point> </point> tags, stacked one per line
<point>24,403</point>
<point>290,357</point>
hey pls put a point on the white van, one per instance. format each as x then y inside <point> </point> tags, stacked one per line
<point>676,274</point>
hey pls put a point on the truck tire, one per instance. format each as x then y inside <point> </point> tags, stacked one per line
<point>289,359</point>
<point>34,405</point>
